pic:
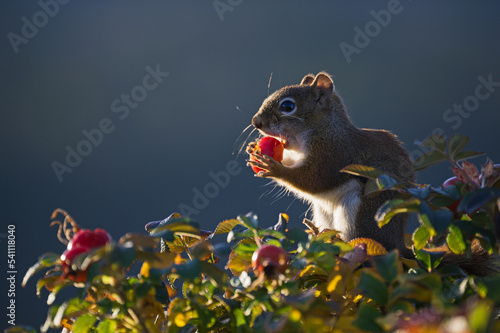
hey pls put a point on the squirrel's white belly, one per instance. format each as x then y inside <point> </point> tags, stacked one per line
<point>337,209</point>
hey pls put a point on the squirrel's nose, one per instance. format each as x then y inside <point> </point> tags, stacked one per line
<point>257,123</point>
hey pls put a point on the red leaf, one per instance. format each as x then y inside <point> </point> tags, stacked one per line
<point>471,171</point>
<point>462,177</point>
<point>487,169</point>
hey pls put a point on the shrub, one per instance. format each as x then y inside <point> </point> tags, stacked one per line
<point>324,284</point>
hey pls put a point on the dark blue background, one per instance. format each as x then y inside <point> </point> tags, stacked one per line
<point>428,57</point>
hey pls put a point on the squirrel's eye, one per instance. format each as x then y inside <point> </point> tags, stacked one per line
<point>287,106</point>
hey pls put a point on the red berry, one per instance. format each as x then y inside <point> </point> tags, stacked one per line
<point>89,239</point>
<point>82,242</point>
<point>449,182</point>
<point>70,254</point>
<point>270,259</point>
<point>271,147</point>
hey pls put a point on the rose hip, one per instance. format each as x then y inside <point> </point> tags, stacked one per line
<point>271,147</point>
<point>270,259</point>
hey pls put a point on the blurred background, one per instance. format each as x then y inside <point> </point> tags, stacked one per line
<point>122,112</point>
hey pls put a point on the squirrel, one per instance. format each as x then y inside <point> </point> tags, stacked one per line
<point>320,140</point>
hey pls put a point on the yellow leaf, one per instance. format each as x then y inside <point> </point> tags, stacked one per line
<point>333,283</point>
<point>312,269</point>
<point>178,259</point>
<point>66,324</point>
<point>410,262</point>
<point>357,298</point>
<point>145,269</point>
<point>373,248</point>
<point>180,320</point>
<point>295,315</point>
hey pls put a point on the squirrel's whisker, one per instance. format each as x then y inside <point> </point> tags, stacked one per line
<point>244,142</point>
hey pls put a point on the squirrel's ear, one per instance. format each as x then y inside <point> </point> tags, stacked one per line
<point>307,80</point>
<point>323,81</point>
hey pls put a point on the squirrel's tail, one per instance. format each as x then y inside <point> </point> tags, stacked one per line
<point>481,262</point>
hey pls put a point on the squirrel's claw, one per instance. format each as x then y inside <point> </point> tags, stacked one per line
<point>251,147</point>
<point>270,167</point>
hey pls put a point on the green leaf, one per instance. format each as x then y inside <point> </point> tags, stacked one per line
<point>161,294</point>
<point>188,271</point>
<point>107,326</point>
<point>420,237</point>
<point>45,280</point>
<point>139,241</point>
<point>480,316</point>
<point>84,323</point>
<point>429,260</point>
<point>442,219</point>
<point>434,142</point>
<point>451,270</point>
<point>270,233</point>
<point>249,220</point>
<point>183,228</point>
<point>429,158</point>
<point>366,319</point>
<point>327,235</point>
<point>455,240</point>
<point>52,296</point>
<point>420,192</point>
<point>371,186</point>
<point>126,256</point>
<point>492,284</point>
<point>456,143</point>
<point>450,191</point>
<point>474,200</point>
<point>363,171</point>
<point>374,287</point>
<point>240,258</point>
<point>142,289</point>
<point>47,260</point>
<point>393,207</point>
<point>487,239</point>
<point>464,155</point>
<point>218,276</point>
<point>226,226</point>
<point>165,234</point>
<point>426,216</point>
<point>296,235</point>
<point>76,306</point>
<point>388,266</point>
<point>413,292</point>
<point>385,182</point>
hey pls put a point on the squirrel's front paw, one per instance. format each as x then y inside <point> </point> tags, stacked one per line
<point>251,148</point>
<point>267,166</point>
